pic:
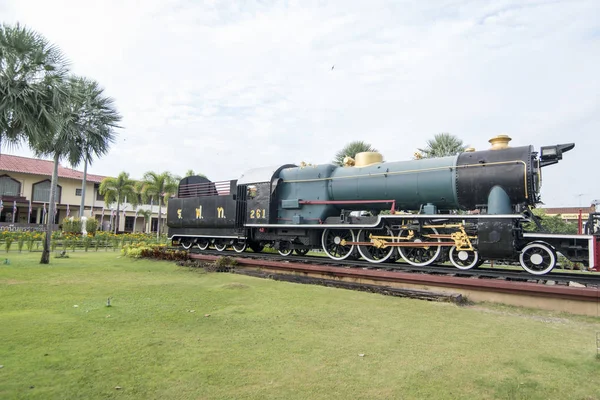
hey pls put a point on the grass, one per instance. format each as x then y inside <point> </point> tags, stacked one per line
<point>177,333</point>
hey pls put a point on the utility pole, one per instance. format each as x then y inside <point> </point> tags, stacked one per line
<point>579,197</point>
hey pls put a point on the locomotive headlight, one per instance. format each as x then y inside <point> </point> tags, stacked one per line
<point>548,152</point>
<point>552,154</point>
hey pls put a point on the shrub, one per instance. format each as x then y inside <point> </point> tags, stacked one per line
<point>91,226</point>
<point>21,242</point>
<point>66,225</point>
<point>135,252</point>
<point>30,242</point>
<point>71,225</point>
<point>87,242</point>
<point>222,264</point>
<point>9,241</point>
<point>159,252</point>
<point>565,263</point>
<point>115,242</point>
<point>225,261</point>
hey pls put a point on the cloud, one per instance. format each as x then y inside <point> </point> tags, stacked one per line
<point>220,87</point>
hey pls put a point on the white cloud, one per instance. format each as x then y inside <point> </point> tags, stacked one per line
<point>220,87</point>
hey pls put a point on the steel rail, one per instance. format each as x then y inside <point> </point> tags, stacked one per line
<point>484,272</point>
<point>489,285</point>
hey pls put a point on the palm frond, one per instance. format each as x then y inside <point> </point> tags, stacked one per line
<point>351,150</point>
<point>442,145</point>
<point>31,70</point>
<point>115,190</point>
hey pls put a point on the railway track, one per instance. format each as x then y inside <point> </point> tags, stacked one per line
<point>587,279</point>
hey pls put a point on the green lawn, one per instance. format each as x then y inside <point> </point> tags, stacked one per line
<point>268,340</point>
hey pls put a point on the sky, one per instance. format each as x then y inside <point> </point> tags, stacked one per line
<point>221,87</point>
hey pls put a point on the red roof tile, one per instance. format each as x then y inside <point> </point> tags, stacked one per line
<point>36,166</point>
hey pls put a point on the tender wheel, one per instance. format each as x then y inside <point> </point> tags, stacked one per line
<point>463,259</point>
<point>332,243</point>
<point>284,249</point>
<point>537,258</point>
<point>419,256</point>
<point>301,252</point>
<point>203,244</point>
<point>239,247</point>
<point>375,254</point>
<point>220,246</point>
<point>187,243</point>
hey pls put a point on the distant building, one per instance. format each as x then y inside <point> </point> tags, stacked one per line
<point>571,214</point>
<point>25,183</point>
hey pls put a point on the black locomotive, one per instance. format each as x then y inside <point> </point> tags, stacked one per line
<point>468,208</point>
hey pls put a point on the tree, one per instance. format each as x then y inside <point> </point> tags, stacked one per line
<point>351,150</point>
<point>550,224</point>
<point>85,128</point>
<point>160,186</point>
<point>442,145</point>
<point>31,73</point>
<point>190,172</point>
<point>39,104</point>
<point>33,96</point>
<point>117,190</point>
<point>97,120</point>
<point>147,214</point>
<point>59,144</point>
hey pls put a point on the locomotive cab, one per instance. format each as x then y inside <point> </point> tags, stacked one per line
<point>257,200</point>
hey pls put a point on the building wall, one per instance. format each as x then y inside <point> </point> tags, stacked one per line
<point>69,187</point>
<point>140,226</point>
<point>71,201</point>
<point>68,197</point>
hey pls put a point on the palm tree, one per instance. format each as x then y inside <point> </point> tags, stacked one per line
<point>58,144</point>
<point>350,150</point>
<point>31,71</point>
<point>147,214</point>
<point>190,172</point>
<point>98,119</point>
<point>442,145</point>
<point>117,190</point>
<point>32,96</point>
<point>160,186</point>
<point>85,129</point>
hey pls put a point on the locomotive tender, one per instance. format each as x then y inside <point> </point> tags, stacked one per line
<point>467,208</point>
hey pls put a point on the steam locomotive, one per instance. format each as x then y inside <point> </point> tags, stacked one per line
<point>466,208</point>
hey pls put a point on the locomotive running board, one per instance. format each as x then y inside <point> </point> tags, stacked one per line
<point>432,217</point>
<point>208,236</point>
<point>591,239</point>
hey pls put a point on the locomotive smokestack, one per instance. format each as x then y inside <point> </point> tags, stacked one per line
<point>500,142</point>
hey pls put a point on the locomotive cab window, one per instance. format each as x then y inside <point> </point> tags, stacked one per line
<point>252,191</point>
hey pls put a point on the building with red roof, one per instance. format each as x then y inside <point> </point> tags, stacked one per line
<point>25,193</point>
